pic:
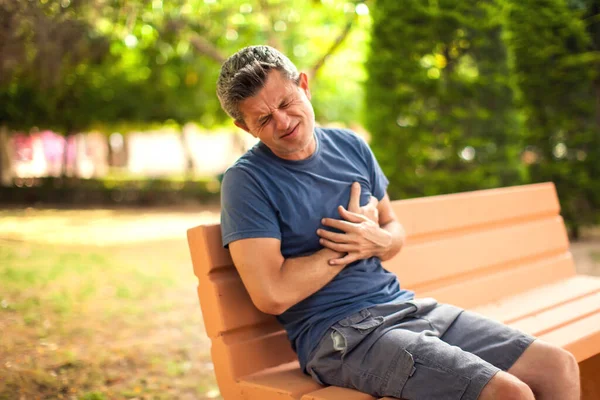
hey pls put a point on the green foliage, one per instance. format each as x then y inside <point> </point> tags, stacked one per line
<point>554,64</point>
<point>140,62</point>
<point>440,105</point>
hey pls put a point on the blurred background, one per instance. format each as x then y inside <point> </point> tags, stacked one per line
<point>112,144</point>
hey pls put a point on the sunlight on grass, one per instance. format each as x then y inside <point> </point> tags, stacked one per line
<point>99,227</point>
<point>86,318</point>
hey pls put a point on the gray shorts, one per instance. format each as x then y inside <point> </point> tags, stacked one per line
<point>416,350</point>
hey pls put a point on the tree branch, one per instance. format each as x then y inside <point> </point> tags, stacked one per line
<point>273,40</point>
<point>338,41</point>
<point>207,48</point>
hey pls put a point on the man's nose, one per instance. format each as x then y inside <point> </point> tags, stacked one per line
<point>282,120</point>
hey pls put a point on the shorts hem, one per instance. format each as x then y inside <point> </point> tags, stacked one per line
<point>479,382</point>
<point>521,345</point>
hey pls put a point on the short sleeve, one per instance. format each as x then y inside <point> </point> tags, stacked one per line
<point>245,210</point>
<point>379,182</point>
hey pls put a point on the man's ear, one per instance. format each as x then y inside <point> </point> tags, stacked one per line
<point>242,125</point>
<point>304,84</point>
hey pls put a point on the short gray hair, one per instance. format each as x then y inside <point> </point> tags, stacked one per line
<point>245,73</point>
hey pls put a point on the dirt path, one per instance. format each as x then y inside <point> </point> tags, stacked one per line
<point>587,256</point>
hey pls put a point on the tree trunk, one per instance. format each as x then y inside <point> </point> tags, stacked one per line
<point>6,158</point>
<point>65,167</point>
<point>187,154</point>
<point>597,87</point>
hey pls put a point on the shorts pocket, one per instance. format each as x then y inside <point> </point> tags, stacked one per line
<point>350,331</point>
<point>428,380</point>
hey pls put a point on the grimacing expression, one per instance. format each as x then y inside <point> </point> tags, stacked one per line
<point>281,116</point>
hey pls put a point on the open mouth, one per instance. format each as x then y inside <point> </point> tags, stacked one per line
<point>290,132</point>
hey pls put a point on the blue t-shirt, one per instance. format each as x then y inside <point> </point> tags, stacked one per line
<point>264,196</point>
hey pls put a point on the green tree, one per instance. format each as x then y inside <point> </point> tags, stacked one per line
<point>108,64</point>
<point>554,62</point>
<point>440,105</point>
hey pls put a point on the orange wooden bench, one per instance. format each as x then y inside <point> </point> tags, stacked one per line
<point>502,252</point>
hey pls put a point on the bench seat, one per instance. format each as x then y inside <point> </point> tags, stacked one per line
<point>565,313</point>
<point>503,253</point>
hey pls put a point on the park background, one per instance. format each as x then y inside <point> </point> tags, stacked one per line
<point>112,144</point>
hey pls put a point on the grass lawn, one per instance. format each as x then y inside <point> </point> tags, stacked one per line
<point>100,305</point>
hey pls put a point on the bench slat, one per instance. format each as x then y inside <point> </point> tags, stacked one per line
<point>582,338</point>
<point>533,302</point>
<point>239,356</point>
<point>505,282</point>
<point>560,316</point>
<point>337,393</point>
<point>436,215</point>
<point>424,216</point>
<point>424,263</point>
<point>226,304</point>
<point>279,383</point>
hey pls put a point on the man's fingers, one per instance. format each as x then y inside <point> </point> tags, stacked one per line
<point>350,216</point>
<point>354,203</point>
<point>340,248</point>
<point>343,226</point>
<point>336,237</point>
<point>347,259</point>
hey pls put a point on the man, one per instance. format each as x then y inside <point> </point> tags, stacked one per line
<point>316,264</point>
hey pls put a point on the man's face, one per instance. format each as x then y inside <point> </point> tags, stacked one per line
<point>281,116</point>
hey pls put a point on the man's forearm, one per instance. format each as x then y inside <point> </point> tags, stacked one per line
<point>398,235</point>
<point>300,277</point>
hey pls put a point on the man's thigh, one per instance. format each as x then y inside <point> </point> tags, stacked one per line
<point>494,342</point>
<point>404,359</point>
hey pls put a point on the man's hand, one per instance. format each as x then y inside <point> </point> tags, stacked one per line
<point>362,237</point>
<point>369,210</point>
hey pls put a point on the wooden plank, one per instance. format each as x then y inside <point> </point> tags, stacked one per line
<point>581,338</point>
<point>488,288</point>
<point>423,263</point>
<point>337,393</point>
<point>537,300</point>
<point>226,305</point>
<point>438,214</point>
<point>430,215</point>
<point>590,378</point>
<point>228,385</point>
<point>247,352</point>
<point>284,382</point>
<point>206,240</point>
<point>559,316</point>
<point>198,250</point>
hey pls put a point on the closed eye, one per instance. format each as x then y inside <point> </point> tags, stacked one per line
<point>264,120</point>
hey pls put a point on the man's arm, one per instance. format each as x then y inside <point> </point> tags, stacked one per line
<point>389,223</point>
<point>275,283</point>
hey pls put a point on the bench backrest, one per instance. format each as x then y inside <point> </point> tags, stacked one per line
<point>467,249</point>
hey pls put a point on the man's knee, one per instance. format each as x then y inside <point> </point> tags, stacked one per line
<point>566,366</point>
<point>507,387</point>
